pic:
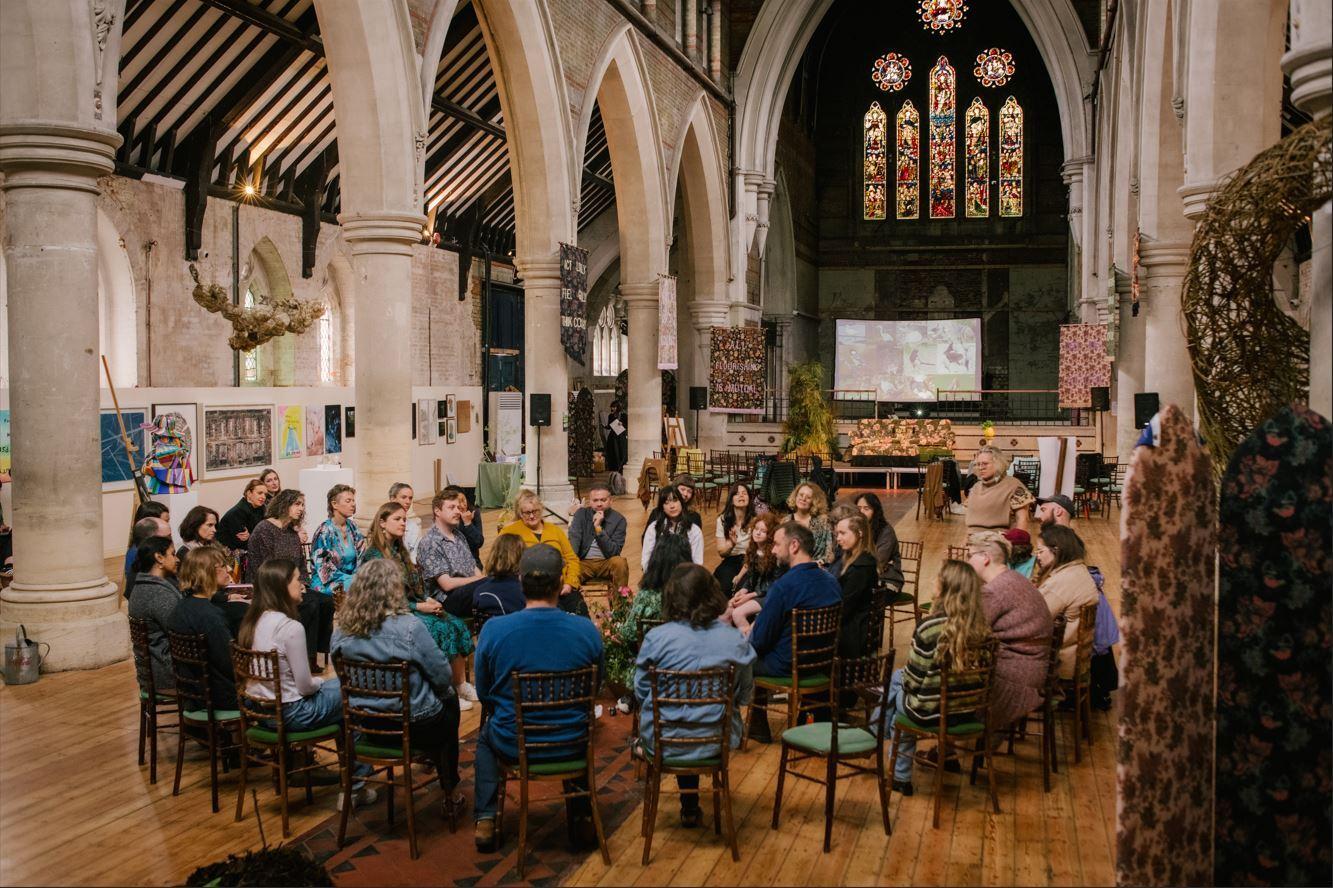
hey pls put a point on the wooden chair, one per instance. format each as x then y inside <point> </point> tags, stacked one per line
<point>1049,695</point>
<point>538,696</point>
<point>194,707</point>
<point>1087,467</point>
<point>265,739</point>
<point>858,695</point>
<point>814,644</point>
<point>379,738</point>
<point>957,553</point>
<point>905,604</point>
<point>1115,485</point>
<point>152,702</point>
<point>875,625</point>
<point>710,691</point>
<point>965,690</point>
<point>931,493</point>
<point>640,632</point>
<point>1080,686</point>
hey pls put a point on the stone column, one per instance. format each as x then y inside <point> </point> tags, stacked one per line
<point>705,315</point>
<point>1128,372</point>
<point>691,29</point>
<point>1079,178</point>
<point>381,247</point>
<point>60,592</point>
<point>1167,368</point>
<point>546,371</point>
<point>1310,66</point>
<point>715,40</point>
<point>645,380</point>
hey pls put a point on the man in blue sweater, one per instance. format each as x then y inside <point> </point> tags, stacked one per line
<point>539,638</point>
<point>805,585</point>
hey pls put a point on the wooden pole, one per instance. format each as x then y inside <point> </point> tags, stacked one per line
<point>130,449</point>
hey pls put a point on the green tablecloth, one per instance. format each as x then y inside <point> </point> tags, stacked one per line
<point>497,483</point>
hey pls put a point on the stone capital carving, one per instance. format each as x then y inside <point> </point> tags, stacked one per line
<point>640,295</point>
<point>1178,106</point>
<point>539,272</point>
<point>1164,259</point>
<point>47,154</point>
<point>1195,196</point>
<point>383,233</point>
<point>1311,71</point>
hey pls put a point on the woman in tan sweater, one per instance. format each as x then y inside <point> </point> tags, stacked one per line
<point>997,501</point>
<point>1066,585</point>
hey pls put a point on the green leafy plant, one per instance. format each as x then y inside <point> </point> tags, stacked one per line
<point>809,426</point>
<point>618,668</point>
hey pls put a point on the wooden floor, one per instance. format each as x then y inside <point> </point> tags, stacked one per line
<point>75,808</point>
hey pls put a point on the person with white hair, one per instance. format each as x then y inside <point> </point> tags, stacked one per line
<point>997,501</point>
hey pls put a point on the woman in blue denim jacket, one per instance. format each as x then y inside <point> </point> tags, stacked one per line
<point>376,625</point>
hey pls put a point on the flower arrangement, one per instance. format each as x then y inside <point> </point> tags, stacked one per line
<point>900,437</point>
<point>254,326</point>
<point>615,623</point>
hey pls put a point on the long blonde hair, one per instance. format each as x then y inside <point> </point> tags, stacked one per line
<point>818,502</point>
<point>965,623</point>
<point>864,544</point>
<point>376,593</point>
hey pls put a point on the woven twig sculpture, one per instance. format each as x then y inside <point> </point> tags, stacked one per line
<point>254,326</point>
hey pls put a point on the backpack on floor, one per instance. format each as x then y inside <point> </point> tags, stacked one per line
<point>616,481</point>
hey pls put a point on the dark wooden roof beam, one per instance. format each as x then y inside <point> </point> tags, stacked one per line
<point>458,112</point>
<point>273,24</point>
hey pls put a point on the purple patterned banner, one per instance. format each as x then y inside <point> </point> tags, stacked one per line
<point>574,301</point>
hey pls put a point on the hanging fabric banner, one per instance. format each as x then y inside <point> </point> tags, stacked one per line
<point>666,323</point>
<point>736,370</point>
<point>574,301</point>
<point>1083,363</point>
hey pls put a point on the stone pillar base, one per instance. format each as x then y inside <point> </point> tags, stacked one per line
<point>75,644</point>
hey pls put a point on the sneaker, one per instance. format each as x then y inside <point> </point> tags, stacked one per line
<point>465,704</point>
<point>624,705</point>
<point>903,787</point>
<point>483,835</point>
<point>366,795</point>
<point>466,691</point>
<point>955,509</point>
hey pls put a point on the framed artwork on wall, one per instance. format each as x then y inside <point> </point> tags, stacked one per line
<point>452,410</point>
<point>451,430</point>
<point>464,417</point>
<point>291,431</point>
<point>117,466</point>
<point>349,422</point>
<point>425,415</point>
<point>333,428</point>
<point>238,439</point>
<point>442,409</point>
<point>190,414</point>
<point>314,431</point>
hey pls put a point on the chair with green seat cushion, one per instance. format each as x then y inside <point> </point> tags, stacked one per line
<point>677,740</point>
<point>194,707</point>
<point>542,703</point>
<point>377,732</point>
<point>814,643</point>
<point>265,740</point>
<point>905,605</point>
<point>964,703</point>
<point>152,702</point>
<point>857,695</point>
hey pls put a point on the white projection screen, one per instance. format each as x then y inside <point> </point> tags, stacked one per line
<point>908,360</point>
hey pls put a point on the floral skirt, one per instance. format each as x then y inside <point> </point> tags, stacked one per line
<point>451,634</point>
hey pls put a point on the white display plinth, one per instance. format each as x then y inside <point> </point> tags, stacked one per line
<point>314,484</point>
<point>1054,478</point>
<point>179,504</point>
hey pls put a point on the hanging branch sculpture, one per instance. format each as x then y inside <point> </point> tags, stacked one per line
<point>1250,359</point>
<point>255,325</point>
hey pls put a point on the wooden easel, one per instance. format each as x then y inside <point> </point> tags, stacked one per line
<point>141,492</point>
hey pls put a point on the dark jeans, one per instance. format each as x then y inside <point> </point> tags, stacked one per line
<point>437,737</point>
<point>726,571</point>
<point>316,616</point>
<point>573,603</point>
<point>689,801</point>
<point>486,780</point>
<point>1105,678</point>
<point>459,601</point>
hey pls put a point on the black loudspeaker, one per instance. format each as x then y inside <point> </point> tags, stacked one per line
<point>698,397</point>
<point>539,410</point>
<point>1145,408</point>
<point>1101,398</point>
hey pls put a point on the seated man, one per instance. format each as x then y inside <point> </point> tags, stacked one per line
<point>445,558</point>
<point>597,535</point>
<point>532,529</point>
<point>1057,509</point>
<point>540,638</point>
<point>804,585</point>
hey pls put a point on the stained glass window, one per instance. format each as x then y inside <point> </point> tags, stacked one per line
<point>326,347</point>
<point>876,162</point>
<point>909,162</point>
<point>942,15</point>
<point>943,139</point>
<point>1011,158</point>
<point>891,72</point>
<point>250,359</point>
<point>994,67</point>
<point>976,172</point>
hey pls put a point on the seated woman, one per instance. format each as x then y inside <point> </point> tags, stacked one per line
<point>1066,585</point>
<point>198,614</point>
<point>760,570</point>
<point>669,518</point>
<point>375,624</point>
<point>885,539</point>
<point>956,624</point>
<point>271,624</point>
<point>733,534</point>
<point>152,599</point>
<point>1021,559</point>
<point>671,551</point>
<point>402,493</point>
<point>450,633</point>
<point>693,638</point>
<point>334,551</point>
<point>809,508</point>
<point>684,485</point>
<point>198,528</point>
<point>280,535</point>
<point>858,574</point>
<point>500,593</point>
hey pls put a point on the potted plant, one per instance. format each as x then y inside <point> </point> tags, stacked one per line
<point>808,430</point>
<point>988,429</point>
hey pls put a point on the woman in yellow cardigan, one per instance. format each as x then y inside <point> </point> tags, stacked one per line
<point>531,529</point>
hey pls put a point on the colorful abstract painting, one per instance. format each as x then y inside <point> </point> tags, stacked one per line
<point>291,431</point>
<point>117,466</point>
<point>333,428</point>
<point>314,431</point>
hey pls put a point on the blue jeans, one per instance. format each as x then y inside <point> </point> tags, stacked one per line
<point>893,704</point>
<point>486,780</point>
<point>319,710</point>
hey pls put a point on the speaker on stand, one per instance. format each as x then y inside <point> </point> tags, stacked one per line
<point>539,415</point>
<point>698,401</point>
<point>1101,403</point>
<point>1146,405</point>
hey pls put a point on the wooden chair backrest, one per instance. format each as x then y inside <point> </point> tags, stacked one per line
<point>143,657</point>
<point>814,640</point>
<point>363,681</point>
<point>1087,625</point>
<point>859,685</point>
<point>909,551</point>
<point>642,629</point>
<point>713,689</point>
<point>957,553</point>
<point>965,687</point>
<point>262,669</point>
<point>189,664</point>
<point>540,698</point>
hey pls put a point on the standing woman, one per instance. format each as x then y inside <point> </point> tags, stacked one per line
<point>277,537</point>
<point>809,508</point>
<point>885,539</point>
<point>733,534</point>
<point>334,551</point>
<point>670,517</point>
<point>997,501</point>
<point>858,574</point>
<point>451,634</point>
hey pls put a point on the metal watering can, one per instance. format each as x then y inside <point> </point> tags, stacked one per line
<point>23,658</point>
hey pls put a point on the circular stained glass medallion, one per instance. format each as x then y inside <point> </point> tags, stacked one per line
<point>942,15</point>
<point>891,72</point>
<point>994,67</point>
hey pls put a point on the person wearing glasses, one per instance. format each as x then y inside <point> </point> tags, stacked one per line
<point>533,530</point>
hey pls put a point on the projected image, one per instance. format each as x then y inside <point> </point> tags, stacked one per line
<point>908,360</point>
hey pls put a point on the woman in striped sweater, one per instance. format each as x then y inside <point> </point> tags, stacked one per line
<point>957,623</point>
